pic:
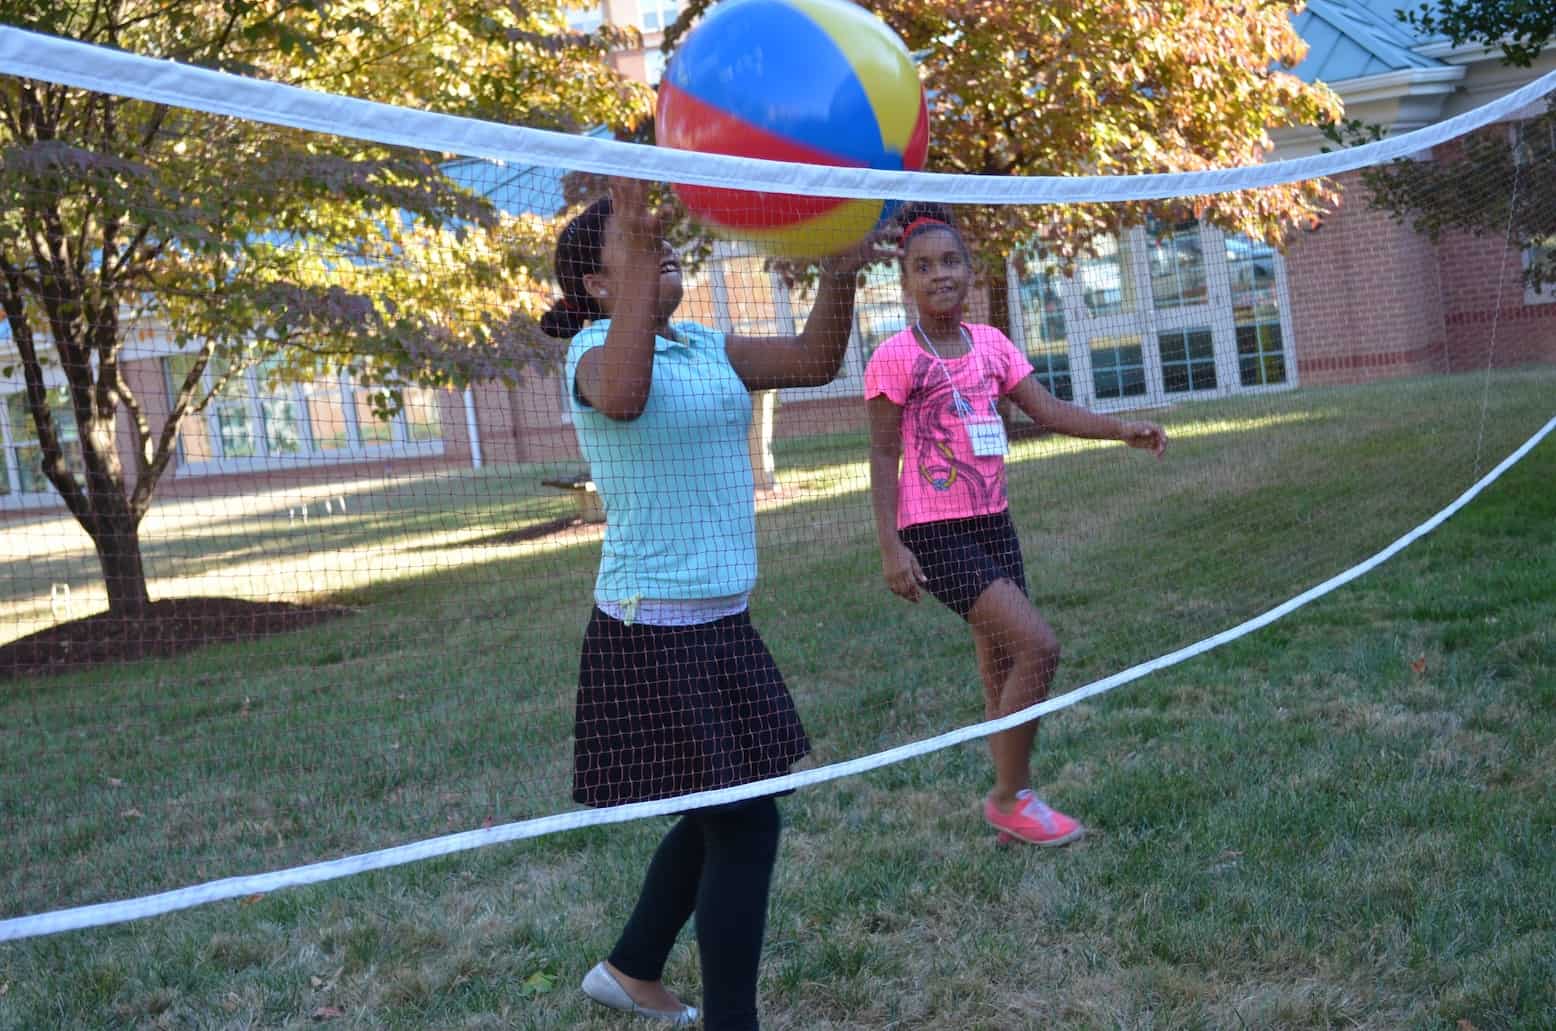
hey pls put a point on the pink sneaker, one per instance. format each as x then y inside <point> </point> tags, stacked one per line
<point>1032,821</point>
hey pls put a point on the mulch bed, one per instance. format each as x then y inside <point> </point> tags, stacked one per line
<point>170,627</point>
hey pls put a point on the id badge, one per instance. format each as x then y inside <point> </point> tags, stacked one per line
<point>987,436</point>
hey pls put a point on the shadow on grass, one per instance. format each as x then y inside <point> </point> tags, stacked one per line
<point>167,628</point>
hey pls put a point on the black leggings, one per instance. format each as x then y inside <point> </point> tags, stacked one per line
<point>718,864</point>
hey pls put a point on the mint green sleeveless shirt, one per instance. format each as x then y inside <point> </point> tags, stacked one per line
<point>680,508</point>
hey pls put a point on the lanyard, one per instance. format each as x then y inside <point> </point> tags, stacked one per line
<point>960,403</point>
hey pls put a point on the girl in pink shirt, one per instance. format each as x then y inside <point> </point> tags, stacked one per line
<point>937,479</point>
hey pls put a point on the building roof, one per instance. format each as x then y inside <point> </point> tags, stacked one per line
<point>1355,39</point>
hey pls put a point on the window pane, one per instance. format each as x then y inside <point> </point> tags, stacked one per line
<point>1046,335</point>
<point>371,430</point>
<point>1104,279</point>
<point>748,296</point>
<point>1261,358</point>
<point>1541,268</point>
<point>657,14</point>
<point>423,421</point>
<point>193,441</point>
<point>326,416</point>
<point>278,411</point>
<point>878,308</point>
<point>585,18</point>
<point>653,66</point>
<point>1251,265</point>
<point>233,430</point>
<point>229,410</point>
<point>283,431</point>
<point>1188,360</point>
<point>19,419</point>
<point>1178,267</point>
<point>1118,367</point>
<point>24,441</point>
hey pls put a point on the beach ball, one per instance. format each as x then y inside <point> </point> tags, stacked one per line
<point>816,81</point>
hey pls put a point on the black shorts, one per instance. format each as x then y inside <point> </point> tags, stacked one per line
<point>962,557</point>
<point>665,711</point>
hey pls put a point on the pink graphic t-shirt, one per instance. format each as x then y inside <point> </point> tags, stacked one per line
<point>941,477</point>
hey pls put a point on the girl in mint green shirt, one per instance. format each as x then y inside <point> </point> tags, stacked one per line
<point>677,693</point>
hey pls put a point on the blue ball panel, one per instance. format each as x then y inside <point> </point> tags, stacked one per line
<point>768,64</point>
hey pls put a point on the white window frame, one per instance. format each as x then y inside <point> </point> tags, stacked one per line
<point>1546,293</point>
<point>15,497</point>
<point>659,8</point>
<point>586,18</point>
<point>654,65</point>
<point>252,397</point>
<point>1147,322</point>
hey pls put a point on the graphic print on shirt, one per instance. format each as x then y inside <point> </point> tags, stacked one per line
<point>934,425</point>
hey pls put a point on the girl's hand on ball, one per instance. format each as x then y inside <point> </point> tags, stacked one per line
<point>640,228</point>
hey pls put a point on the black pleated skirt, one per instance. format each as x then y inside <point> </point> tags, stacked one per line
<point>666,711</point>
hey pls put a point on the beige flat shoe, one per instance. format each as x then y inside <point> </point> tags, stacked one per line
<point>599,985</point>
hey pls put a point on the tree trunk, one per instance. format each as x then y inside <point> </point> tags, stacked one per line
<point>1017,425</point>
<point>999,301</point>
<point>114,526</point>
<point>117,540</point>
<point>759,440</point>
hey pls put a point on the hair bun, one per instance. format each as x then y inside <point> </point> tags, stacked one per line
<point>562,321</point>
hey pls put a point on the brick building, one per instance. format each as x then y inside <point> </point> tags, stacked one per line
<point>1159,314</point>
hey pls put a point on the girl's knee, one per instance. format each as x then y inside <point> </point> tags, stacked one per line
<point>1048,650</point>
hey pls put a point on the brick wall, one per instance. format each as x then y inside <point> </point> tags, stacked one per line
<point>1487,313</point>
<point>1371,298</point>
<point>1366,296</point>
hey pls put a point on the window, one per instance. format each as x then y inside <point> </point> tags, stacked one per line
<point>423,421</point>
<point>1177,265</point>
<point>653,66</point>
<point>330,429</point>
<point>1261,356</point>
<point>1535,153</point>
<point>23,468</point>
<point>586,17</point>
<point>1117,367</point>
<point>330,418</point>
<point>657,15</point>
<point>1188,359</point>
<point>1104,278</point>
<point>1133,320</point>
<point>1540,272</point>
<point>371,430</point>
<point>1043,328</point>
<point>1261,360</point>
<point>230,410</point>
<point>281,414</point>
<point>878,308</point>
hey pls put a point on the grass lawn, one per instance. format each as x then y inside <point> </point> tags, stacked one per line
<point>1345,820</point>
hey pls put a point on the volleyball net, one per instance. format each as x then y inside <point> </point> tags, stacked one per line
<point>299,541</point>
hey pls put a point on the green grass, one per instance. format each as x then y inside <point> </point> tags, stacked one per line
<point>1344,820</point>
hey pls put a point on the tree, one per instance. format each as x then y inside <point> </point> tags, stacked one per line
<point>1107,87</point>
<point>307,252</point>
<point>1495,182</point>
<point>1521,27</point>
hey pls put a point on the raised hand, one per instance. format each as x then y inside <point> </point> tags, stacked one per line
<point>641,229</point>
<point>879,245</point>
